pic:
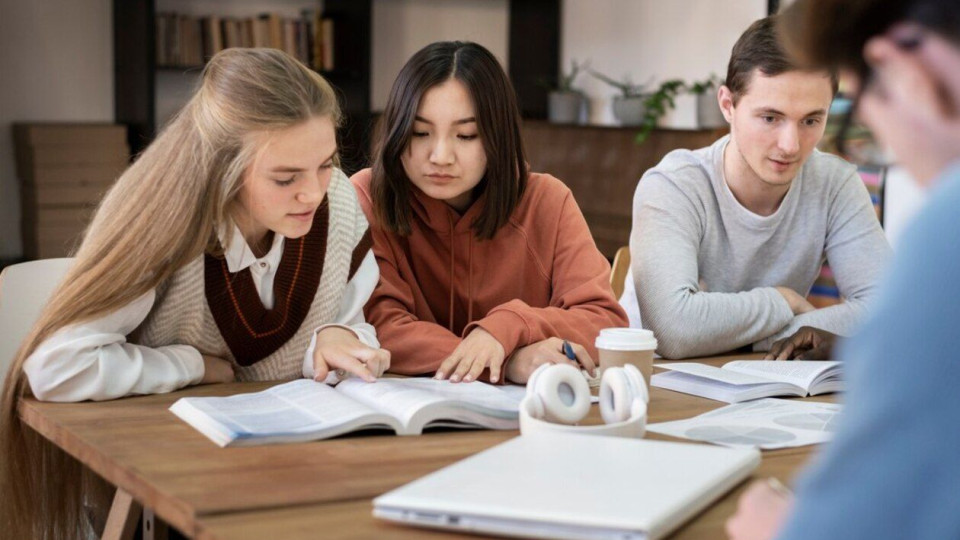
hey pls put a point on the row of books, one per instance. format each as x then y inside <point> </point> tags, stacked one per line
<point>188,41</point>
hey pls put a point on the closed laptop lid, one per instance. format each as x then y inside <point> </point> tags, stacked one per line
<point>572,486</point>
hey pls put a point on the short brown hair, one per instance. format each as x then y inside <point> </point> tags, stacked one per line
<point>498,124</point>
<point>760,48</point>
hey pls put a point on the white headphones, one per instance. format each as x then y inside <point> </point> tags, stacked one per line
<point>558,397</point>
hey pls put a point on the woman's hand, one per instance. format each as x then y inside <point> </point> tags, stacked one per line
<point>761,511</point>
<point>216,370</point>
<point>477,351</point>
<point>339,348</point>
<point>527,359</point>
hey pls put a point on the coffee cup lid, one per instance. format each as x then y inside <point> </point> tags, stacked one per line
<point>626,339</point>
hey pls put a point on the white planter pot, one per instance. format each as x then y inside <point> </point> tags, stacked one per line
<point>629,110</point>
<point>709,115</point>
<point>565,107</point>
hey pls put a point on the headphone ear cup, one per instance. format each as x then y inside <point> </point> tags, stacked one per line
<point>534,406</point>
<point>562,392</point>
<point>532,402</point>
<point>618,390</point>
<point>534,377</point>
<point>638,383</point>
<point>613,386</point>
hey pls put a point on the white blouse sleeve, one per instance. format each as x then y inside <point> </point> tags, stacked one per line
<point>350,316</point>
<point>92,360</point>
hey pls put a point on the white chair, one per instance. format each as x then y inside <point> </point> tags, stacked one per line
<point>24,290</point>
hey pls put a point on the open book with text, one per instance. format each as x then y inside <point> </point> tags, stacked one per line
<point>743,380</point>
<point>305,410</point>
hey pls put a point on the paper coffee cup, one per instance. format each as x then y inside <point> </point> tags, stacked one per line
<point>620,346</point>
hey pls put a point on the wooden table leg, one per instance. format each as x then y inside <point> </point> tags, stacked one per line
<point>154,528</point>
<point>123,518</point>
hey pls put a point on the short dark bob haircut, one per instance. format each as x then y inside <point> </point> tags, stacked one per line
<point>759,47</point>
<point>498,125</point>
<point>831,34</point>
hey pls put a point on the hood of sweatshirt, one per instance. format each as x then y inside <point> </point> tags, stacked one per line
<point>446,221</point>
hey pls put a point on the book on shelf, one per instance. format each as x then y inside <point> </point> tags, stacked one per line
<point>743,380</point>
<point>289,35</point>
<point>261,32</point>
<point>305,410</point>
<point>231,33</point>
<point>213,30</point>
<point>274,30</point>
<point>328,58</point>
<point>184,41</point>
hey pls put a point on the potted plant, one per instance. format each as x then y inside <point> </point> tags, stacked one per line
<point>657,104</point>
<point>709,115</point>
<point>565,103</point>
<point>628,107</point>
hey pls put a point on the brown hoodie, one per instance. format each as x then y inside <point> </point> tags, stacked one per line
<point>540,276</point>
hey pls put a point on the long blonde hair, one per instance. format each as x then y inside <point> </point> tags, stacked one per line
<point>163,212</point>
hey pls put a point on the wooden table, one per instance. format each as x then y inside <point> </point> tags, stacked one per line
<point>293,490</point>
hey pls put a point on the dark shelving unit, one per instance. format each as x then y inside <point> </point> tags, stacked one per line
<point>534,56</point>
<point>534,52</point>
<point>352,45</point>
<point>134,70</point>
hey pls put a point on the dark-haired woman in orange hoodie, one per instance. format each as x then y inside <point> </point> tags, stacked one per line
<point>481,261</point>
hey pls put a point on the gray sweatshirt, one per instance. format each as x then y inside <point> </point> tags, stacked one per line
<point>690,231</point>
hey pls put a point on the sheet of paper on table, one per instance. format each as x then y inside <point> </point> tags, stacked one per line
<point>765,423</point>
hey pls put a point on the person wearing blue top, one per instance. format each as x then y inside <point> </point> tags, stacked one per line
<point>892,470</point>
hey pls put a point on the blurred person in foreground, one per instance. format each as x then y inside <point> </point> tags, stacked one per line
<point>891,471</point>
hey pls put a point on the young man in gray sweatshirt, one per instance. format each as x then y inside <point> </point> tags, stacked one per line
<point>727,240</point>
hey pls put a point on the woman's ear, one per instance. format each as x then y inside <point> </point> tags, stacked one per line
<point>725,99</point>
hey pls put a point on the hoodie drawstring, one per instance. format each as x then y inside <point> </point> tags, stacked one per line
<point>470,278</point>
<point>452,262</point>
<point>453,276</point>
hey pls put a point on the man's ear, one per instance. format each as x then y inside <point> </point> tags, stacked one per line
<point>725,99</point>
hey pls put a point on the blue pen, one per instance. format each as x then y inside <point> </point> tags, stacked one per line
<point>568,350</point>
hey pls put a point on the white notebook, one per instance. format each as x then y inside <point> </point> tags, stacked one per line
<point>571,486</point>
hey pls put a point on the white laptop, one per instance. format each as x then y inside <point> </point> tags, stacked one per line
<point>571,486</point>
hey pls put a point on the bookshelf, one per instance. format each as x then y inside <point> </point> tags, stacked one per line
<point>533,55</point>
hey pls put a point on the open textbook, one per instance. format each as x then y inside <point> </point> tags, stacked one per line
<point>743,380</point>
<point>304,410</point>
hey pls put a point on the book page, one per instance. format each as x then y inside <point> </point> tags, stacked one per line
<point>765,423</point>
<point>716,374</point>
<point>799,372</point>
<point>291,408</point>
<point>404,397</point>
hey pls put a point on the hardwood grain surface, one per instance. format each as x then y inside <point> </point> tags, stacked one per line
<point>295,490</point>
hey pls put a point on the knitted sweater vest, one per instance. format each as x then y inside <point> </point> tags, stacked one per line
<point>181,314</point>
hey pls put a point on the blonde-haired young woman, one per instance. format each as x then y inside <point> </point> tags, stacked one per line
<point>232,248</point>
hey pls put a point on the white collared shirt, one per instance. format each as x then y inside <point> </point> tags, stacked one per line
<point>239,257</point>
<point>93,360</point>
